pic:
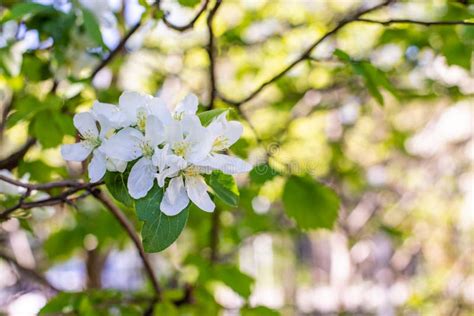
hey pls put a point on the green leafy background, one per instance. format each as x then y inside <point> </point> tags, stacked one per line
<point>359,199</point>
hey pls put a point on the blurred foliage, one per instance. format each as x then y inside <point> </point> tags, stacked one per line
<point>359,198</point>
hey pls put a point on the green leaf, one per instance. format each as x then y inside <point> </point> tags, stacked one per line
<point>207,116</point>
<point>159,230</point>
<point>238,281</point>
<point>116,183</point>
<point>22,9</point>
<point>165,308</point>
<point>64,302</point>
<point>342,55</point>
<point>258,311</point>
<point>92,27</point>
<point>224,187</point>
<point>263,173</point>
<point>309,203</point>
<point>47,131</point>
<point>188,3</point>
<point>65,123</point>
<point>361,69</point>
<point>373,77</point>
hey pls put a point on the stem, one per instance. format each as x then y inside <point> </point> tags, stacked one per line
<point>109,204</point>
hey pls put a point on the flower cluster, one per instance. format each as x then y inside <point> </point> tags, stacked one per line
<point>169,146</point>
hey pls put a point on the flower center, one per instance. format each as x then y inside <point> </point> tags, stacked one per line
<point>92,141</point>
<point>191,171</point>
<point>220,143</point>
<point>178,116</point>
<point>180,148</point>
<point>141,120</point>
<point>147,150</point>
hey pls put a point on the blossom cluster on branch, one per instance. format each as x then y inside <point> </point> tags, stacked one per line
<point>171,147</point>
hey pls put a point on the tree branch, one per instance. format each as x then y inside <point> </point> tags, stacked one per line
<point>305,55</point>
<point>29,272</point>
<point>12,161</point>
<point>116,50</point>
<point>425,23</point>
<point>211,52</point>
<point>64,197</point>
<point>190,24</point>
<point>109,204</point>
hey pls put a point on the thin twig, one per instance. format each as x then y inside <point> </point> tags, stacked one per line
<point>116,50</point>
<point>38,277</point>
<point>64,197</point>
<point>109,204</point>
<point>214,236</point>
<point>190,24</point>
<point>409,21</point>
<point>211,52</point>
<point>44,186</point>
<point>13,160</point>
<point>305,55</point>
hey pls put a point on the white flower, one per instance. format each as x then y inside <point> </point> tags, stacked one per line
<point>225,134</point>
<point>188,186</point>
<point>92,142</point>
<point>136,107</point>
<point>130,144</point>
<point>170,146</point>
<point>10,189</point>
<point>191,142</point>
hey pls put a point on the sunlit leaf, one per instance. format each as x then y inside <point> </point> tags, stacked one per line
<point>92,26</point>
<point>188,3</point>
<point>310,203</point>
<point>225,188</point>
<point>238,281</point>
<point>207,116</point>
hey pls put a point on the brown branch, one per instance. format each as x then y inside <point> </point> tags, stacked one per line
<point>109,204</point>
<point>425,23</point>
<point>29,272</point>
<point>13,160</point>
<point>305,55</point>
<point>211,52</point>
<point>45,186</point>
<point>190,24</point>
<point>214,237</point>
<point>64,197</point>
<point>116,50</point>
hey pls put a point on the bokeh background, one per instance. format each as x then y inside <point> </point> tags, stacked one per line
<point>396,146</point>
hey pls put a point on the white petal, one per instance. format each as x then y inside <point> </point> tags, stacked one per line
<point>76,152</point>
<point>141,177</point>
<point>158,108</point>
<point>97,166</point>
<point>232,132</point>
<point>197,192</point>
<point>189,104</point>
<point>200,145</point>
<point>175,199</point>
<point>125,145</point>
<point>227,164</point>
<point>116,165</point>
<point>86,125</point>
<point>130,102</point>
<point>108,116</point>
<point>173,132</point>
<point>154,131</point>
